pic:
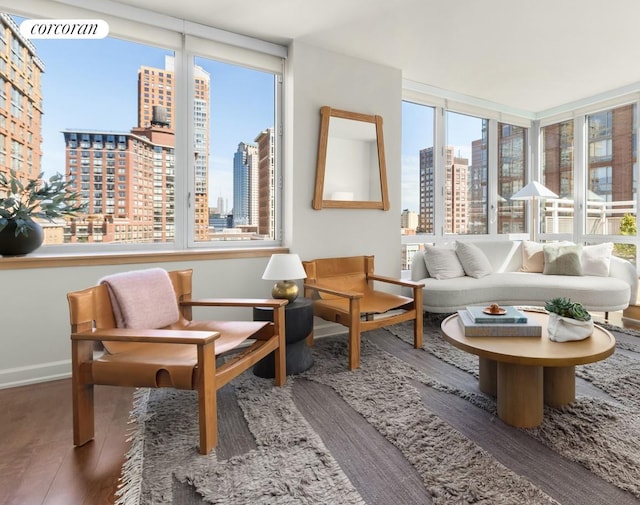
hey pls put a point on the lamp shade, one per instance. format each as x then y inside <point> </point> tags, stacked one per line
<point>284,267</point>
<point>534,190</point>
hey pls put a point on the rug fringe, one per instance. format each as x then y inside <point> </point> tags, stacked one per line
<point>130,485</point>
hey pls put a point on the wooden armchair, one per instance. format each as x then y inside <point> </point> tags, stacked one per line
<point>181,355</point>
<point>342,289</point>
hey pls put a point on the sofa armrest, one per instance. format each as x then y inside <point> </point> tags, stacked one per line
<point>626,271</point>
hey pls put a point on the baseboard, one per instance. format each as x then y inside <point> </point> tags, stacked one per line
<point>23,376</point>
<point>33,374</point>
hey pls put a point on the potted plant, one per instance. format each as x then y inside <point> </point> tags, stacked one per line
<point>22,200</point>
<point>567,320</point>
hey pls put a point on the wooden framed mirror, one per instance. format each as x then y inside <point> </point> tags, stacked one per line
<point>351,171</point>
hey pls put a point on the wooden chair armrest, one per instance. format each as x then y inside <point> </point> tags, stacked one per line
<point>149,336</point>
<point>344,294</point>
<point>235,302</point>
<point>393,280</point>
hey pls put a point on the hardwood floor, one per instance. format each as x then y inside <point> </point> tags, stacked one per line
<point>38,463</point>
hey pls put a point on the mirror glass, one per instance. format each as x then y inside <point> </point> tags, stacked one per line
<point>351,170</point>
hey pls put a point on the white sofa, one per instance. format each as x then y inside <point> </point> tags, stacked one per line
<point>507,284</point>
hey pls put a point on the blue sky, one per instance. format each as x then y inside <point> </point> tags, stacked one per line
<point>92,84</point>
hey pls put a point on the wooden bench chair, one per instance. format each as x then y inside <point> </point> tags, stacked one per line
<point>343,292</point>
<point>181,355</point>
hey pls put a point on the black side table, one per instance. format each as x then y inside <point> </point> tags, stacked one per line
<point>298,320</point>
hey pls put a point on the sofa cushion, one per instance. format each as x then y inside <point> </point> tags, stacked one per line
<point>562,259</point>
<point>473,260</point>
<point>532,257</point>
<point>596,259</point>
<point>442,262</point>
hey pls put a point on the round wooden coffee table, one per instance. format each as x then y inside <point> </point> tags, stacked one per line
<point>524,373</point>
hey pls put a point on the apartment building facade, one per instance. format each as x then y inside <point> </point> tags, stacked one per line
<point>21,106</point>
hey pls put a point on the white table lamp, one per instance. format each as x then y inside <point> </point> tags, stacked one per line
<point>284,268</point>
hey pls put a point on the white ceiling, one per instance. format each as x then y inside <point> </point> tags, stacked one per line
<point>528,56</point>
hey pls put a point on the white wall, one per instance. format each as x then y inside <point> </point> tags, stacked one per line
<point>34,339</point>
<point>326,78</point>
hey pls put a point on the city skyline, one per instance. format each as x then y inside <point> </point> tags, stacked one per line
<point>418,134</point>
<point>104,97</point>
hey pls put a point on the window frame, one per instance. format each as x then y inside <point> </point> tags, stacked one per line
<point>423,95</point>
<point>137,25</point>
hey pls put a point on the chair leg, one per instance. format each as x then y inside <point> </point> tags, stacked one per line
<point>418,332</point>
<point>354,334</point>
<point>281,352</point>
<point>207,401</point>
<point>82,393</point>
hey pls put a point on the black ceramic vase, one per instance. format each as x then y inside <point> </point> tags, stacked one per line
<point>10,245</point>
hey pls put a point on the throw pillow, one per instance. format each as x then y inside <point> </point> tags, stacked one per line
<point>596,259</point>
<point>532,257</point>
<point>474,262</point>
<point>442,262</point>
<point>562,259</point>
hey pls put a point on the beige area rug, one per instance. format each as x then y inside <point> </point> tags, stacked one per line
<point>602,436</point>
<point>453,468</point>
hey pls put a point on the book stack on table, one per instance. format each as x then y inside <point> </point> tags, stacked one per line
<point>510,322</point>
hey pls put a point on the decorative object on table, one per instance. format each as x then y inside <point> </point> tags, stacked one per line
<point>534,191</point>
<point>495,310</point>
<point>496,315</point>
<point>528,328</point>
<point>23,200</point>
<point>568,320</point>
<point>284,268</point>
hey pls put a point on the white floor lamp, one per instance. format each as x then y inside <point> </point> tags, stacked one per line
<point>534,191</point>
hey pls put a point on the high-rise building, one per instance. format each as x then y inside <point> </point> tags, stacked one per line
<point>20,101</point>
<point>408,222</point>
<point>426,217</point>
<point>266,183</point>
<point>456,194</point>
<point>455,197</point>
<point>477,191</point>
<point>512,172</point>
<point>156,92</point>
<point>245,185</point>
<point>126,180</point>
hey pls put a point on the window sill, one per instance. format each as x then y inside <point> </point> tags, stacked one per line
<point>56,261</point>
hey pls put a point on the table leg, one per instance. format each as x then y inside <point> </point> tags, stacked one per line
<point>487,375</point>
<point>559,385</point>
<point>520,395</point>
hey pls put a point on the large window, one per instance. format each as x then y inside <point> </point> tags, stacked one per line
<point>241,153</point>
<point>512,172</point>
<point>558,169</point>
<point>152,147</point>
<point>465,168</point>
<point>611,168</point>
<point>608,172</point>
<point>418,197</point>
